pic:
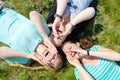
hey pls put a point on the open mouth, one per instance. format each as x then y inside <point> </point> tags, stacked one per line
<point>52,57</point>
<point>73,54</point>
<point>46,53</point>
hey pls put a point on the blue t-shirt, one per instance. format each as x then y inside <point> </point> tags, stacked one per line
<point>19,33</point>
<point>104,70</point>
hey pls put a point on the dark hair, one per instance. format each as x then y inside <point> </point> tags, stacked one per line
<point>85,41</point>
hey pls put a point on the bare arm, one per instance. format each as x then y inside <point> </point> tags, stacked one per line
<point>84,75</point>
<point>83,15</point>
<point>37,20</point>
<point>61,5</point>
<point>106,53</point>
<point>102,52</point>
<point>7,52</point>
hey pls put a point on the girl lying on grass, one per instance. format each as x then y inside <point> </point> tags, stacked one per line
<point>27,41</point>
<point>92,61</point>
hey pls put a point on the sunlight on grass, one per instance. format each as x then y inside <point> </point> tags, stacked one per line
<point>105,26</point>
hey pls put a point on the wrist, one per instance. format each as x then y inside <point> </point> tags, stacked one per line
<point>84,52</point>
<point>88,52</point>
<point>72,25</point>
<point>58,16</point>
<point>78,65</point>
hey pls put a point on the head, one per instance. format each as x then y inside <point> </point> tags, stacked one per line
<point>77,43</point>
<point>47,57</point>
<point>68,46</point>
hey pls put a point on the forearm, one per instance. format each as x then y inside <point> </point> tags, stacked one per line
<point>61,5</point>
<point>7,52</point>
<point>103,53</point>
<point>107,54</point>
<point>83,16</point>
<point>84,75</point>
<point>37,20</point>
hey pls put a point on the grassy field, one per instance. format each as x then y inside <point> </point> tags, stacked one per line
<point>105,26</point>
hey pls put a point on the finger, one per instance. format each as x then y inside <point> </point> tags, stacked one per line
<point>39,59</point>
<point>54,30</point>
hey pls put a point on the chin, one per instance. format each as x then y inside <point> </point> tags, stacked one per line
<point>58,45</point>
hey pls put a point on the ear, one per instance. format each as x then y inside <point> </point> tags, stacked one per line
<point>78,44</point>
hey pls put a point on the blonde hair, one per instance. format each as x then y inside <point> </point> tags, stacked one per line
<point>33,65</point>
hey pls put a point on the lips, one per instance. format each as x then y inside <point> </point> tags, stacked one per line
<point>45,52</point>
<point>48,56</point>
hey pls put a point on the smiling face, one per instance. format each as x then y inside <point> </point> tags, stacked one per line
<point>68,47</point>
<point>46,57</point>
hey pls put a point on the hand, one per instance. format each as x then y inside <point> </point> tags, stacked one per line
<point>67,30</point>
<point>72,60</point>
<point>50,46</point>
<point>35,56</point>
<point>79,51</point>
<point>56,26</point>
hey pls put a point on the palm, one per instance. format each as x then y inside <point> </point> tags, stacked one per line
<point>73,61</point>
<point>67,30</point>
<point>50,45</point>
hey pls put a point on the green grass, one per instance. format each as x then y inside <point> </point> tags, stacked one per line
<point>105,26</point>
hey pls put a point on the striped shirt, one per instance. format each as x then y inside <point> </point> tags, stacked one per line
<point>104,70</point>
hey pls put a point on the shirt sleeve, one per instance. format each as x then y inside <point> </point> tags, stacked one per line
<point>77,73</point>
<point>94,48</point>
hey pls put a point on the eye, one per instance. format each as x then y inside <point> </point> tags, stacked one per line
<point>69,47</point>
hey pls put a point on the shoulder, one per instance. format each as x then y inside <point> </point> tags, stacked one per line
<point>95,47</point>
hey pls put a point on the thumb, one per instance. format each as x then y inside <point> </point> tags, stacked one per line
<point>64,33</point>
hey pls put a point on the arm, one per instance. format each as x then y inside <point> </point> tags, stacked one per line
<point>84,74</point>
<point>106,53</point>
<point>102,52</point>
<point>61,5</point>
<point>37,20</point>
<point>82,16</point>
<point>75,62</point>
<point>7,52</point>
